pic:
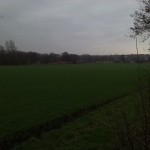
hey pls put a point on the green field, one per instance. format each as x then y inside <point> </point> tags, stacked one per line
<point>91,132</point>
<point>33,95</point>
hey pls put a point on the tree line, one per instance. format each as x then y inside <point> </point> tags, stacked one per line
<point>11,55</point>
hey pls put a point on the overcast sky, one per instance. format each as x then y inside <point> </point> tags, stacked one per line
<point>75,26</point>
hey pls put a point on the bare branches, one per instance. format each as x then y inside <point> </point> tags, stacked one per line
<point>141,21</point>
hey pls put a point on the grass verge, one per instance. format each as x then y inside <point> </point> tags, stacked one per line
<point>93,131</point>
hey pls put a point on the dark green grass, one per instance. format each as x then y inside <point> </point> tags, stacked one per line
<point>32,95</point>
<point>91,132</point>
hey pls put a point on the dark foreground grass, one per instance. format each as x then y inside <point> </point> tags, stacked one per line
<point>94,131</point>
<point>33,95</point>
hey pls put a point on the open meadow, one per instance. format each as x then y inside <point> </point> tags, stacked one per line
<point>34,95</point>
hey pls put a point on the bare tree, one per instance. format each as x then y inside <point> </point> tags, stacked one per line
<point>10,46</point>
<point>141,20</point>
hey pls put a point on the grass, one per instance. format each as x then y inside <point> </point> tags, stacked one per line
<point>91,132</point>
<point>33,95</point>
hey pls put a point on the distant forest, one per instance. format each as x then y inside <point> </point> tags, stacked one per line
<point>10,55</point>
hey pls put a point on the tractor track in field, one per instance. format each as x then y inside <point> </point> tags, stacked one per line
<point>9,142</point>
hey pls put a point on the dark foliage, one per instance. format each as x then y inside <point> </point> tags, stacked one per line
<point>10,55</point>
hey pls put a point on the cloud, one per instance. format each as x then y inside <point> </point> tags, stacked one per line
<point>76,26</point>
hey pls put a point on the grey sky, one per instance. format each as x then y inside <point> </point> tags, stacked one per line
<point>76,26</point>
